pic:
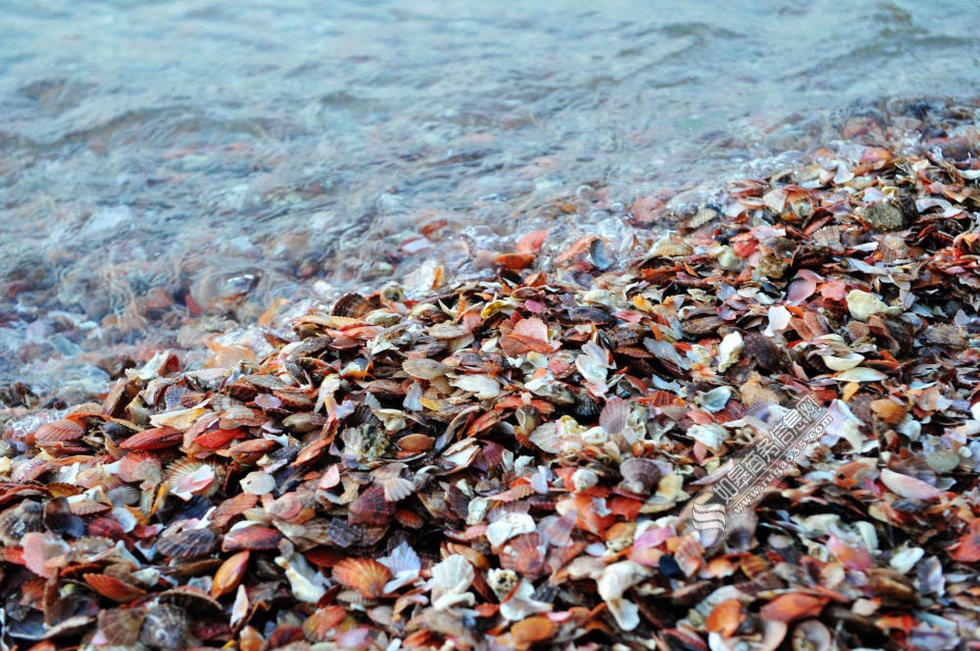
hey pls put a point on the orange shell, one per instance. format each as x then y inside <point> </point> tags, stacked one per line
<point>725,618</point>
<point>232,508</point>
<point>889,411</point>
<point>532,630</point>
<point>140,466</point>
<point>416,442</point>
<point>254,537</point>
<point>321,625</point>
<point>113,588</point>
<point>365,575</point>
<point>155,438</point>
<point>793,605</point>
<point>230,574</point>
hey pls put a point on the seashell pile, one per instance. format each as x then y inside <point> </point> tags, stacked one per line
<point>503,465</point>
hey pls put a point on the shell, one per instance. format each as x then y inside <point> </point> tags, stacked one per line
<point>793,605</point>
<point>156,438</point>
<point>943,461</point>
<point>58,431</point>
<point>365,575</point>
<point>416,442</point>
<point>121,626</point>
<point>142,467</point>
<point>812,635</point>
<point>165,627</point>
<point>640,476</point>
<point>525,554</point>
<point>371,507</point>
<point>191,600</point>
<point>187,544</point>
<point>425,369</point>
<point>322,624</point>
<point>230,574</point>
<point>22,519</point>
<point>725,618</point>
<point>532,630</point>
<point>113,588</point>
<point>254,537</point>
<point>889,411</point>
<point>397,488</point>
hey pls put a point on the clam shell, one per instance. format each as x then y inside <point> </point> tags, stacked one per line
<point>365,575</point>
<point>425,369</point>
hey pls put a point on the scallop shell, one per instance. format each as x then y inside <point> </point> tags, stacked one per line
<point>156,438</point>
<point>365,575</point>
<point>321,626</point>
<point>670,247</point>
<point>398,488</point>
<point>232,508</point>
<point>371,507</point>
<point>140,466</point>
<point>58,431</point>
<point>640,476</point>
<point>113,587</point>
<point>165,627</point>
<point>525,554</point>
<point>532,630</point>
<point>255,537</point>
<point>187,544</point>
<point>121,626</point>
<point>416,442</point>
<point>290,508</point>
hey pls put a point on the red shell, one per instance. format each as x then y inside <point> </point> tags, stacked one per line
<point>155,438</point>
<point>58,431</point>
<point>371,507</point>
<point>113,587</point>
<point>255,537</point>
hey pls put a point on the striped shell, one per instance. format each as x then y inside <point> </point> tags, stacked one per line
<point>121,626</point>
<point>165,627</point>
<point>26,517</point>
<point>155,438</point>
<point>113,587</point>
<point>189,543</point>
<point>365,575</point>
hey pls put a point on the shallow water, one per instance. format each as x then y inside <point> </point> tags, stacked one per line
<point>168,169</point>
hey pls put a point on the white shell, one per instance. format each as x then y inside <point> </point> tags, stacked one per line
<point>860,374</point>
<point>729,350</point>
<point>861,305</point>
<point>842,362</point>
<point>258,483</point>
<point>512,524</point>
<point>484,386</point>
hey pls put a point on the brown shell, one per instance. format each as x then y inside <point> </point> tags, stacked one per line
<point>113,587</point>
<point>255,537</point>
<point>290,508</point>
<point>230,574</point>
<point>232,508</point>
<point>165,627</point>
<point>121,626</point>
<point>416,442</point>
<point>365,575</point>
<point>189,543</point>
<point>700,326</point>
<point>371,507</point>
<point>531,631</point>
<point>640,475</point>
<point>425,369</point>
<point>106,528</point>
<point>155,438</point>
<point>353,305</point>
<point>15,522</point>
<point>191,600</point>
<point>322,624</point>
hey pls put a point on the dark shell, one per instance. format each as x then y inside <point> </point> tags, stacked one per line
<point>121,626</point>
<point>26,517</point>
<point>190,543</point>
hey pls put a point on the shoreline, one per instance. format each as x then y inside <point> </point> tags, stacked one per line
<point>507,463</point>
